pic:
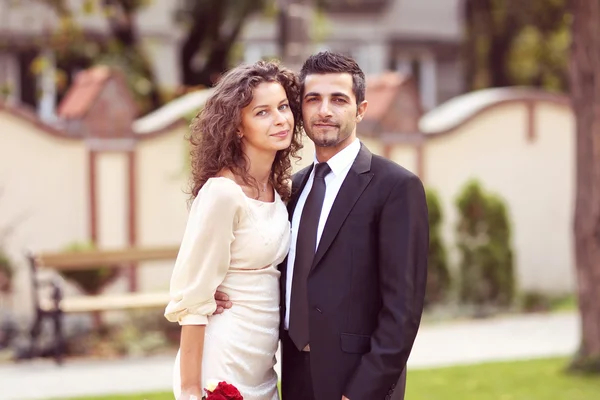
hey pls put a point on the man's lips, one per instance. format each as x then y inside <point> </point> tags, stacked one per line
<point>323,124</point>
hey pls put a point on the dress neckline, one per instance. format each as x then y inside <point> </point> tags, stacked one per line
<point>275,193</point>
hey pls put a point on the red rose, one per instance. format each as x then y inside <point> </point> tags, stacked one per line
<point>215,396</point>
<point>225,391</point>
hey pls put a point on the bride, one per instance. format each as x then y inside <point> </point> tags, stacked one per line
<point>237,233</point>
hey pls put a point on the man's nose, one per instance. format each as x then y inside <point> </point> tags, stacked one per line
<point>325,109</point>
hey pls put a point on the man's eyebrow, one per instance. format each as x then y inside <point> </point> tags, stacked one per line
<point>340,94</point>
<point>335,94</point>
<point>312,94</point>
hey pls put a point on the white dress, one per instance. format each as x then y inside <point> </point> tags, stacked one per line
<point>232,243</point>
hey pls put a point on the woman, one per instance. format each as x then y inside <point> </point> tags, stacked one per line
<point>237,233</point>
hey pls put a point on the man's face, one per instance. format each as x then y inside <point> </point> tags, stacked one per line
<point>329,110</point>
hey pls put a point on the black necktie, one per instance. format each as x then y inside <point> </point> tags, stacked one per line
<point>306,244</point>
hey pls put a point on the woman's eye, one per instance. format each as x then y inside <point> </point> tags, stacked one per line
<point>261,113</point>
<point>284,106</point>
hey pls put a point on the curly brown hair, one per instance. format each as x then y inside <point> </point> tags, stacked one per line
<point>215,145</point>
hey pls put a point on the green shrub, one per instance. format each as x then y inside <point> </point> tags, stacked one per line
<point>6,273</point>
<point>438,275</point>
<point>90,280</point>
<point>538,301</point>
<point>483,239</point>
<point>533,301</point>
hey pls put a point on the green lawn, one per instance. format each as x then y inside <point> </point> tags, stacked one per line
<point>523,380</point>
<point>147,396</point>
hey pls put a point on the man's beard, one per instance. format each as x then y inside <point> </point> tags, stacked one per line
<point>327,140</point>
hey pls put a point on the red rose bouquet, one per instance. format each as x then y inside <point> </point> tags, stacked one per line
<point>222,391</point>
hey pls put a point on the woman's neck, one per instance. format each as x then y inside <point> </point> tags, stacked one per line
<point>260,166</point>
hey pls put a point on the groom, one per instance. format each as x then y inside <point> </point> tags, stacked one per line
<point>353,284</point>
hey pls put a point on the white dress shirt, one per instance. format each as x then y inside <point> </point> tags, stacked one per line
<point>340,165</point>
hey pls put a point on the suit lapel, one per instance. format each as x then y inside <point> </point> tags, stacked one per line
<point>298,182</point>
<point>352,188</point>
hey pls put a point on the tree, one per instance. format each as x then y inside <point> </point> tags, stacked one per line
<point>75,49</point>
<point>213,27</point>
<point>126,46</point>
<point>585,94</point>
<point>490,33</point>
<point>294,30</point>
<point>512,42</point>
<point>539,53</point>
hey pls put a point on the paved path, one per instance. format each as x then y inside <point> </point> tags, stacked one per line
<point>436,345</point>
<point>509,338</point>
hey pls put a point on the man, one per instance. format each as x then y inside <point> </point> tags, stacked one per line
<point>353,284</point>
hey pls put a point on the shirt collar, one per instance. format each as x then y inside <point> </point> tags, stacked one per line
<point>344,158</point>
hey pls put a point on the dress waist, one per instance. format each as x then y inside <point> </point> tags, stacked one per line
<point>256,289</point>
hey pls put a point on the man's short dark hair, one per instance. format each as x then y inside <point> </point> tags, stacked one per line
<point>327,62</point>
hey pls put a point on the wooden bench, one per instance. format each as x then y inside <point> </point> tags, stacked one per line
<point>57,304</point>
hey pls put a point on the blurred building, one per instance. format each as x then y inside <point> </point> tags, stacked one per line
<point>417,37</point>
<point>26,25</point>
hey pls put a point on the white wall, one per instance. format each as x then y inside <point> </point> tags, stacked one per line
<point>405,155</point>
<point>162,200</point>
<point>535,179</point>
<point>111,199</point>
<point>374,145</point>
<point>44,183</point>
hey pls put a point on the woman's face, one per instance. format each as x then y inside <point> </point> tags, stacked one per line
<point>267,122</point>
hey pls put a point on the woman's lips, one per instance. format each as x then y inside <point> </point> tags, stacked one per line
<point>281,133</point>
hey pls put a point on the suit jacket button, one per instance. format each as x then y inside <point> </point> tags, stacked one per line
<point>388,397</point>
<point>393,385</point>
<point>391,391</point>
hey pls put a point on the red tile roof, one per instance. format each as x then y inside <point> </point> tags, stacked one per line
<point>81,95</point>
<point>381,92</point>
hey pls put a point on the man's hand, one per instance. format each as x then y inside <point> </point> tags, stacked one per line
<point>223,302</point>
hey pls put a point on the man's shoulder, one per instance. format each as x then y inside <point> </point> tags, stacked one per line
<point>390,170</point>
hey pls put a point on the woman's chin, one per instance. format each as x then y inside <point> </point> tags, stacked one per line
<point>282,145</point>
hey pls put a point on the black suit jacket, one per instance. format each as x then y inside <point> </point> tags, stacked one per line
<point>366,287</point>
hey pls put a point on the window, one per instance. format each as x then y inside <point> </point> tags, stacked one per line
<point>422,67</point>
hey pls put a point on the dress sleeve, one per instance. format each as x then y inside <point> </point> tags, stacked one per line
<point>204,255</point>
